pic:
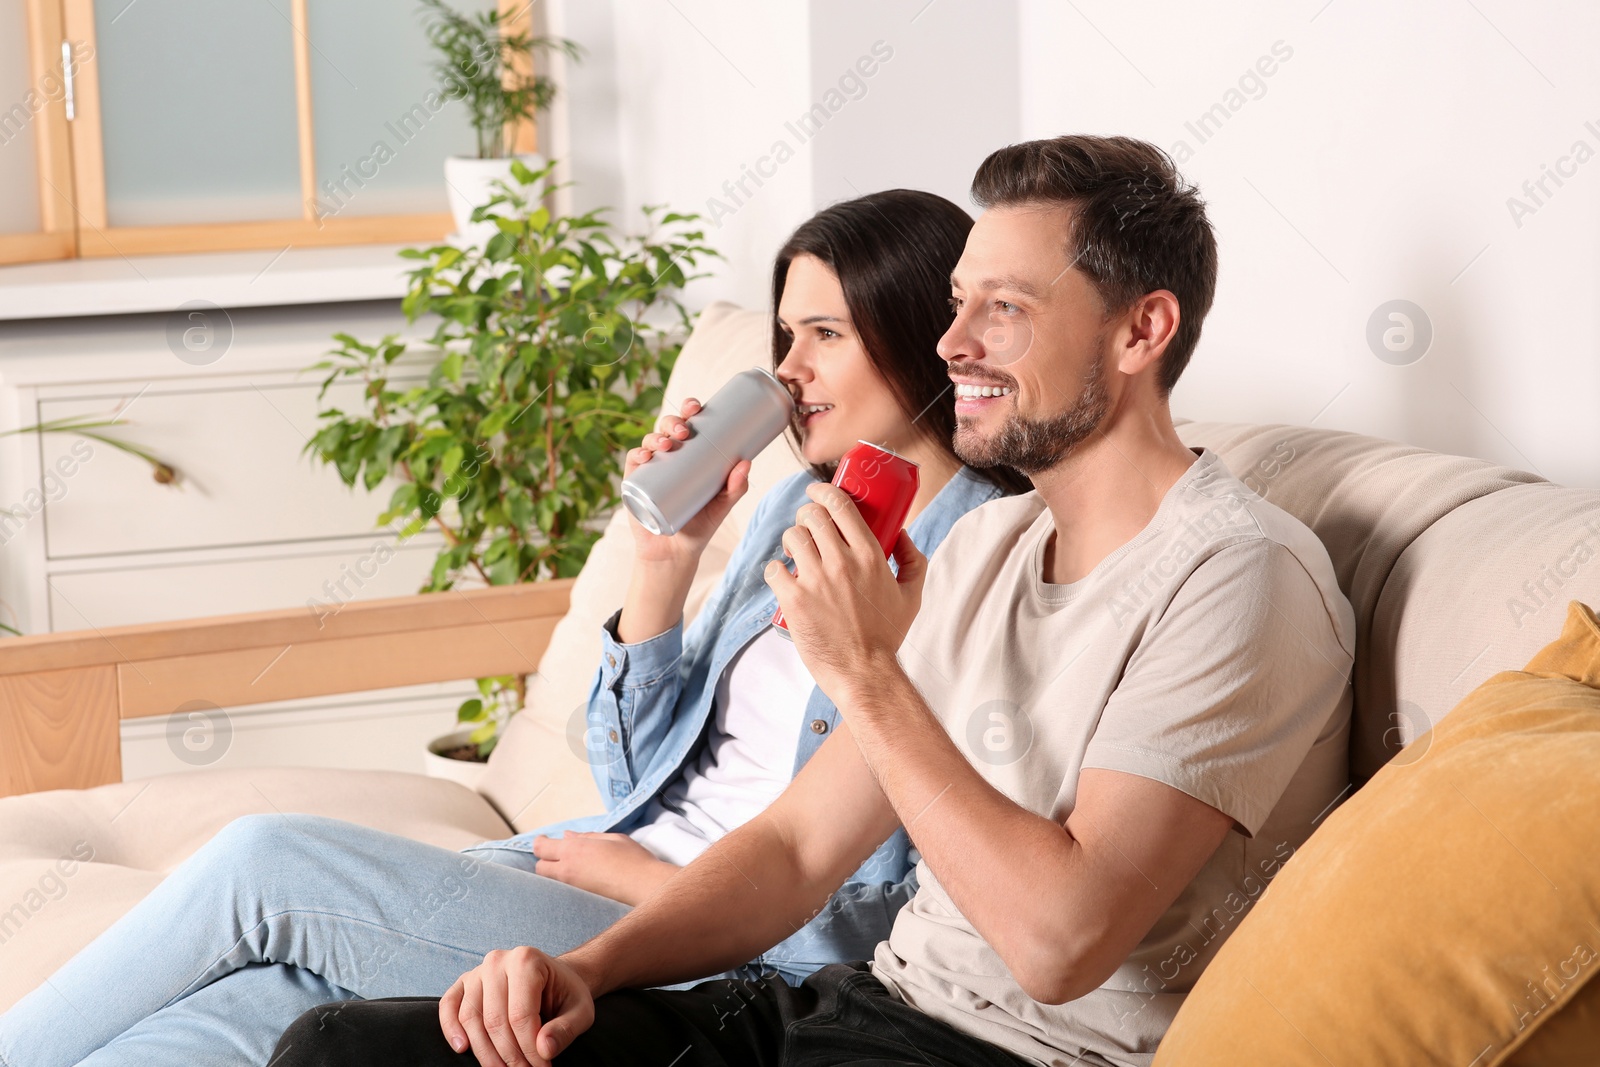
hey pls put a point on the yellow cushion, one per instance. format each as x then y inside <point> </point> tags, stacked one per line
<point>1448,911</point>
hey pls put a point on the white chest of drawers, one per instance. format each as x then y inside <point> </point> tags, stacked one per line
<point>92,540</point>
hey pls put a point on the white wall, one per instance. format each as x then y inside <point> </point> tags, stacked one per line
<point>947,96</point>
<point>699,103</point>
<point>1375,163</point>
<point>676,99</point>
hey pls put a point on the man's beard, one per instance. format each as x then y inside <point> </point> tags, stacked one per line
<point>1034,445</point>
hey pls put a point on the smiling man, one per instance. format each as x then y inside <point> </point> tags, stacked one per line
<point>1106,712</point>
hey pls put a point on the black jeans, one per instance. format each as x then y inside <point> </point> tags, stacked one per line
<point>840,1015</point>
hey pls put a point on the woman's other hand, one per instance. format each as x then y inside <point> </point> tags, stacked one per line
<point>612,865</point>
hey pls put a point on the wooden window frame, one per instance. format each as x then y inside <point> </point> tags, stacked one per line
<point>71,163</point>
<point>56,237</point>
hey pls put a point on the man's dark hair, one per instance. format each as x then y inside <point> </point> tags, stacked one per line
<point>1137,225</point>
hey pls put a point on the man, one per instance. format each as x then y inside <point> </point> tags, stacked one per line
<point>1126,705</point>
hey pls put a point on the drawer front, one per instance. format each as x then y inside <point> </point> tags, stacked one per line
<point>244,479</point>
<point>383,731</point>
<point>320,582</point>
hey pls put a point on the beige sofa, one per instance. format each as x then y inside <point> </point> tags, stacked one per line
<point>1456,568</point>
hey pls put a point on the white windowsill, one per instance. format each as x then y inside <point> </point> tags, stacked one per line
<point>124,285</point>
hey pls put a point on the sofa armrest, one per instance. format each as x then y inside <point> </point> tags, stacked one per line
<point>63,695</point>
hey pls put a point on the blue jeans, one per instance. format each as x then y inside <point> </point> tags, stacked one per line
<point>275,915</point>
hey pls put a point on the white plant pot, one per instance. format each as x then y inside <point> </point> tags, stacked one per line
<point>470,184</point>
<point>466,772</point>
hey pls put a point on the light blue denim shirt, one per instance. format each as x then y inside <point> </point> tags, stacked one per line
<point>651,712</point>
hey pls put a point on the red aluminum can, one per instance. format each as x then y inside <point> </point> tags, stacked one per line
<point>883,484</point>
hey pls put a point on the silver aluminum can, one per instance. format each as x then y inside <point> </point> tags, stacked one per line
<point>737,422</point>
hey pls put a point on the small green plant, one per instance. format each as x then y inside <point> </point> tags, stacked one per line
<point>489,67</point>
<point>553,342</point>
<point>90,426</point>
<point>498,699</point>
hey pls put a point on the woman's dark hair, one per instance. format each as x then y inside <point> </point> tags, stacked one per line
<point>892,253</point>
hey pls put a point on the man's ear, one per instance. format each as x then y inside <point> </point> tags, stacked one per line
<point>1152,323</point>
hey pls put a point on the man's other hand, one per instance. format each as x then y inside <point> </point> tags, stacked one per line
<point>518,1008</point>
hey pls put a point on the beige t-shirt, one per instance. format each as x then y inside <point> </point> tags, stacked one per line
<point>1212,652</point>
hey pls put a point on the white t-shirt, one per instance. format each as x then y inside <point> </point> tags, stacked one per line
<point>760,705</point>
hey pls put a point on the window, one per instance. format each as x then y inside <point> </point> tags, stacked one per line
<point>133,127</point>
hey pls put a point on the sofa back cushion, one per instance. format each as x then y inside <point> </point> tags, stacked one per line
<point>1456,568</point>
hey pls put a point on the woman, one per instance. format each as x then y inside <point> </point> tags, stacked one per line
<point>702,728</point>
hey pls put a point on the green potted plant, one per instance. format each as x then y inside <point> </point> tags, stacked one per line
<point>553,343</point>
<point>488,66</point>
